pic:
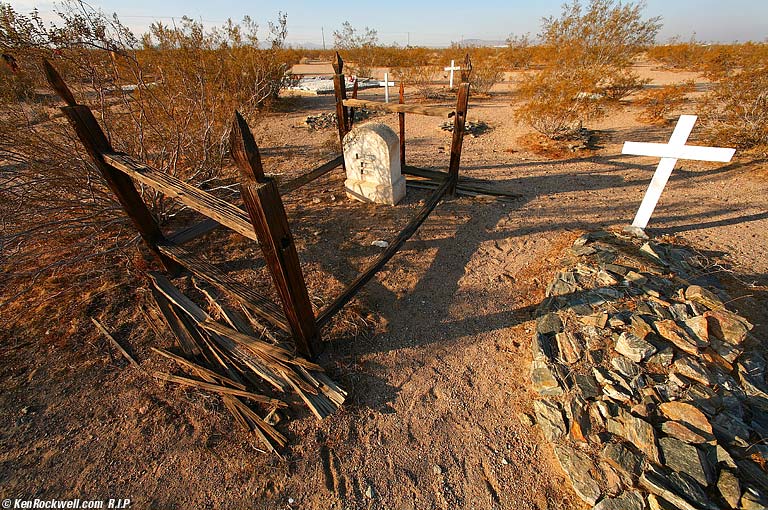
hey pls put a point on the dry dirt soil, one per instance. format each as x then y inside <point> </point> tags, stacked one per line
<point>434,351</point>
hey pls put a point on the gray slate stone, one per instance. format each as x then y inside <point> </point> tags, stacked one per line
<point>639,326</point>
<point>692,369</point>
<point>637,431</point>
<point>679,312</point>
<point>750,500</point>
<point>729,487</point>
<point>543,347</point>
<point>549,324</point>
<point>681,493</point>
<point>624,460</point>
<point>662,358</point>
<point>578,419</point>
<point>579,467</point>
<point>683,458</point>
<point>683,433</point>
<point>543,379</point>
<point>625,367</point>
<point>634,347</point>
<point>626,501</point>
<point>727,326</point>
<point>698,327</point>
<point>586,386</point>
<point>570,348</point>
<point>549,416</point>
<point>703,296</point>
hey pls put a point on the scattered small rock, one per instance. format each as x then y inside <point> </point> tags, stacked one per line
<point>660,378</point>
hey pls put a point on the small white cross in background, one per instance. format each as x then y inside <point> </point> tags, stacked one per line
<point>669,154</point>
<point>386,84</point>
<point>452,68</point>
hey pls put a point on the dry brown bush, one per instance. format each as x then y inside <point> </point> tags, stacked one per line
<point>557,101</point>
<point>657,104</point>
<point>621,83</point>
<point>519,53</point>
<point>486,72</point>
<point>678,55</point>
<point>734,112</point>
<point>420,77</point>
<point>591,50</point>
<point>169,104</point>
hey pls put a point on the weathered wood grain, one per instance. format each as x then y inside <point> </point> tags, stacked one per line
<point>197,199</point>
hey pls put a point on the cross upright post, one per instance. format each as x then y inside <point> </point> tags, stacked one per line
<point>451,69</point>
<point>669,154</point>
<point>386,83</point>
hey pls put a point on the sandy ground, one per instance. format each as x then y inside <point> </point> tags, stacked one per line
<point>435,350</point>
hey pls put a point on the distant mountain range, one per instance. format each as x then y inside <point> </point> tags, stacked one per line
<point>483,42</point>
<point>468,43</point>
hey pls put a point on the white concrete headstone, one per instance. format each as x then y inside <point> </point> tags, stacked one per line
<point>372,160</point>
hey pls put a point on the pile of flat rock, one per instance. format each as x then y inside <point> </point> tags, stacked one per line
<point>651,391</point>
<point>471,127</point>
<point>328,120</point>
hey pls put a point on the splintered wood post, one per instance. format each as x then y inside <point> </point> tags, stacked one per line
<point>462,102</point>
<point>265,208</point>
<point>352,110</point>
<point>96,144</point>
<point>401,118</point>
<point>339,87</point>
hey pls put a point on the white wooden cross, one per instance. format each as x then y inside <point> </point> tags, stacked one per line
<point>453,67</point>
<point>386,84</point>
<point>669,154</point>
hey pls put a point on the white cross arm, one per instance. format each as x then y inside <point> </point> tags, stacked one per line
<point>661,150</point>
<point>387,83</point>
<point>452,68</point>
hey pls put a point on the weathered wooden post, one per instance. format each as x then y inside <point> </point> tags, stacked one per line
<point>352,110</point>
<point>265,208</point>
<point>96,144</point>
<point>401,119</point>
<point>462,103</point>
<point>339,87</point>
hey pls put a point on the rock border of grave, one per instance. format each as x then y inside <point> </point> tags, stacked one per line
<point>652,393</point>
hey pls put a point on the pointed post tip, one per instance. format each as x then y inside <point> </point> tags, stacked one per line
<point>338,65</point>
<point>57,83</point>
<point>466,69</point>
<point>245,152</point>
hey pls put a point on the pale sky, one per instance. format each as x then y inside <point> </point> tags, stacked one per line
<point>433,23</point>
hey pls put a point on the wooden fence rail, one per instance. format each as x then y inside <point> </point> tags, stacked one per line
<point>264,218</point>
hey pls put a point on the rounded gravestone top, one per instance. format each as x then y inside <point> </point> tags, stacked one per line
<point>374,129</point>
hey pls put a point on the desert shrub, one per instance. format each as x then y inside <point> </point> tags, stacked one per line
<point>359,46</point>
<point>15,85</point>
<point>169,103</point>
<point>420,77</point>
<point>588,53</point>
<point>678,55</point>
<point>519,52</point>
<point>621,84</point>
<point>657,104</point>
<point>734,113</point>
<point>606,34</point>
<point>558,101</point>
<point>486,72</point>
